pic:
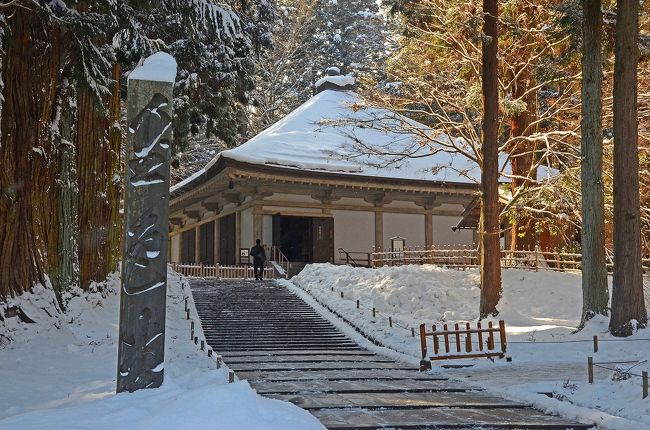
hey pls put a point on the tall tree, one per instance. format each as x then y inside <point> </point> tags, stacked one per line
<point>628,307</point>
<point>595,296</point>
<point>490,232</point>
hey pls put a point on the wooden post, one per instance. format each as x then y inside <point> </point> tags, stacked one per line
<point>644,376</point>
<point>480,336</point>
<point>191,334</point>
<point>237,234</point>
<point>468,339</point>
<point>202,345</point>
<point>590,369</point>
<point>218,361</point>
<point>196,340</point>
<point>216,245</point>
<point>258,224</point>
<point>428,232</point>
<point>231,377</point>
<point>595,343</point>
<point>379,230</point>
<point>502,335</point>
<point>457,328</point>
<point>197,246</point>
<point>423,341</point>
<point>186,308</point>
<point>490,337</point>
<point>390,321</point>
<point>446,335</point>
<point>209,353</point>
<point>436,347</point>
<point>141,344</point>
<point>187,313</point>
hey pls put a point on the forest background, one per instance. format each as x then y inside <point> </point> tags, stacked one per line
<point>245,64</point>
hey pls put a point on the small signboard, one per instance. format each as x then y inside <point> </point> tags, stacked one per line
<point>244,256</point>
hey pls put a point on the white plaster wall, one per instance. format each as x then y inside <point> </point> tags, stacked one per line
<point>246,239</point>
<point>408,226</point>
<point>267,229</point>
<point>443,234</point>
<point>175,255</point>
<point>353,231</point>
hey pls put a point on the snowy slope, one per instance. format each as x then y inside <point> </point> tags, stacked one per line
<point>60,373</point>
<point>541,310</point>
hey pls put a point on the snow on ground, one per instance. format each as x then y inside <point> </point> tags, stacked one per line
<point>538,307</point>
<point>59,373</point>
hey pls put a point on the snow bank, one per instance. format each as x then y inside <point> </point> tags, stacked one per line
<point>59,373</point>
<point>541,310</point>
<point>160,67</point>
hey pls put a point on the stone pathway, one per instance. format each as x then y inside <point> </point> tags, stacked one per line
<point>287,351</point>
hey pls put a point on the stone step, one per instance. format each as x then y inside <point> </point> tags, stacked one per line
<point>337,375</point>
<point>418,400</point>
<point>443,418</point>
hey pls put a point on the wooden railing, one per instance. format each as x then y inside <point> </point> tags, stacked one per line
<point>460,343</point>
<point>219,271</point>
<point>281,259</point>
<point>356,258</point>
<point>461,256</point>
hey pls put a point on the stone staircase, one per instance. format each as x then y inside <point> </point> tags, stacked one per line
<point>287,351</point>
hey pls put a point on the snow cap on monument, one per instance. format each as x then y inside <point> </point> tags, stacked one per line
<point>159,67</point>
<point>334,80</point>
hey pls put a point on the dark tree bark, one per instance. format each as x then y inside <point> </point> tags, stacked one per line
<point>628,304</point>
<point>98,169</point>
<point>522,159</point>
<point>595,296</point>
<point>490,248</point>
<point>28,192</point>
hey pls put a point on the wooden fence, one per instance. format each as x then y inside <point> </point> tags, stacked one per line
<point>467,257</point>
<point>219,271</point>
<point>460,343</point>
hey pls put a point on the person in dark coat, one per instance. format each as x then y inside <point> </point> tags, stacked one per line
<point>259,257</point>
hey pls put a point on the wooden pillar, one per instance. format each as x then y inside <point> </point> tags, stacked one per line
<point>197,245</point>
<point>237,235</point>
<point>379,230</point>
<point>180,248</point>
<point>217,239</point>
<point>258,225</point>
<point>428,229</point>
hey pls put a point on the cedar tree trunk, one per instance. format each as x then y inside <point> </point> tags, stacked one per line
<point>595,296</point>
<point>490,248</point>
<point>628,306</point>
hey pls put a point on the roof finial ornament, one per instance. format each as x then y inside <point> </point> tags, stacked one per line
<point>334,80</point>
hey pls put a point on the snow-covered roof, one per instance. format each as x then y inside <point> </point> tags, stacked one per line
<point>325,134</point>
<point>338,80</point>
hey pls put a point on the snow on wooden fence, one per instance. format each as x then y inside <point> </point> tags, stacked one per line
<point>219,271</point>
<point>459,342</point>
<point>466,257</point>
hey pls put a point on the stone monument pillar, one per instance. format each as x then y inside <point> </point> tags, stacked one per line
<point>146,211</point>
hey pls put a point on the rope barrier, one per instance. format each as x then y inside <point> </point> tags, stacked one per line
<point>407,327</point>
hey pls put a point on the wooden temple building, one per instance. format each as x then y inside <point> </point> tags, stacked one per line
<point>319,181</point>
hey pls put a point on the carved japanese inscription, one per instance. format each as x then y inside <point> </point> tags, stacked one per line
<point>146,211</point>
